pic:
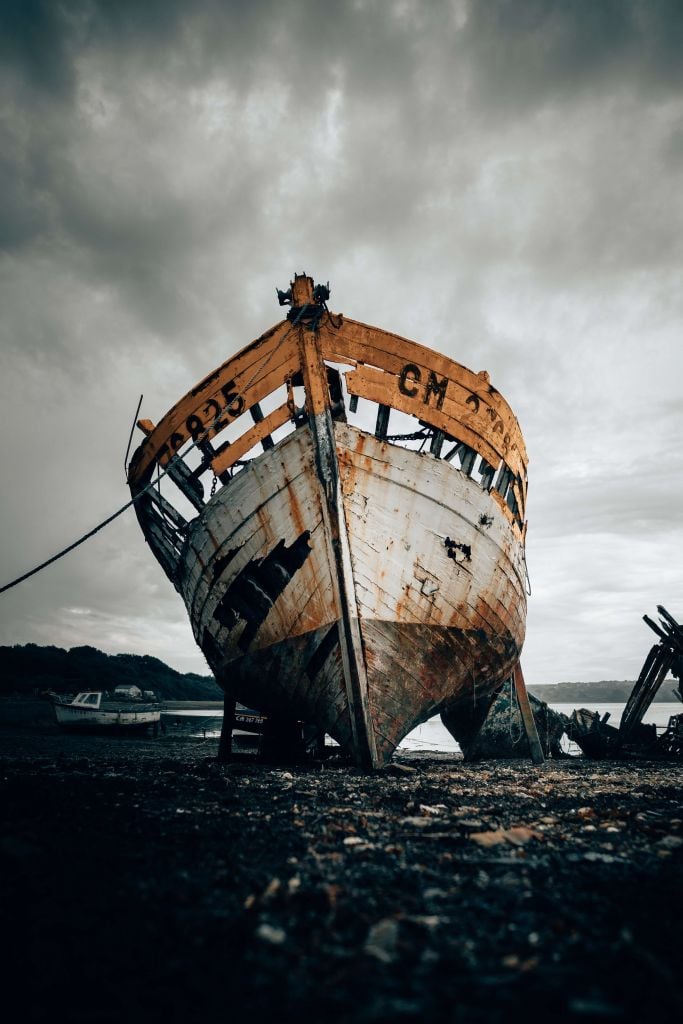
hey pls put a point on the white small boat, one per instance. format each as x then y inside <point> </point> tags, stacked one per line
<point>88,710</point>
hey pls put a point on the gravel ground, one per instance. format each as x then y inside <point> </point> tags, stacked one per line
<point>141,880</point>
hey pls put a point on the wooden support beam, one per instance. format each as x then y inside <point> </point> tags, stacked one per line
<point>487,472</point>
<point>257,417</point>
<point>228,456</point>
<point>225,743</point>
<point>159,539</point>
<point>505,477</point>
<point>655,628</point>
<point>182,477</point>
<point>179,521</point>
<point>535,747</point>
<point>436,444</point>
<point>675,628</point>
<point>467,457</point>
<point>652,675</point>
<point>179,473</point>
<point>452,452</point>
<point>382,425</point>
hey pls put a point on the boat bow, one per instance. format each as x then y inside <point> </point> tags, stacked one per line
<point>343,512</point>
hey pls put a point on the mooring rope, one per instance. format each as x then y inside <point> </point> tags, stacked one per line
<point>154,482</point>
<point>76,543</point>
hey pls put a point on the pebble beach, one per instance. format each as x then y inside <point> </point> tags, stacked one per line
<point>143,880</point>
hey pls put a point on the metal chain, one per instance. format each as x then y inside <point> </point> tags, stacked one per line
<point>419,435</point>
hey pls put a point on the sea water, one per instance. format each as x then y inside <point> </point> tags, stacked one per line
<point>433,735</point>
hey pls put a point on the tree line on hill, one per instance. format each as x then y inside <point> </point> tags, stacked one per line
<point>32,669</point>
<point>607,691</point>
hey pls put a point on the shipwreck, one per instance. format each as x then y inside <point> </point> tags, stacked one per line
<point>633,738</point>
<point>343,513</point>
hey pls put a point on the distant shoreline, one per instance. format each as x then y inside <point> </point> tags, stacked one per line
<point>32,670</point>
<point>604,692</point>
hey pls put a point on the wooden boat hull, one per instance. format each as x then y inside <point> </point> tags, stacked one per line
<point>340,576</point>
<point>437,630</point>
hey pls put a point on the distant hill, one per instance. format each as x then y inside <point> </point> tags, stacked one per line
<point>24,670</point>
<point>608,691</point>
<point>30,668</point>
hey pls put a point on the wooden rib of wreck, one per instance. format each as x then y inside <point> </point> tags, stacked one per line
<point>663,657</point>
<point>358,563</point>
<point>597,739</point>
<point>592,734</point>
<point>504,733</point>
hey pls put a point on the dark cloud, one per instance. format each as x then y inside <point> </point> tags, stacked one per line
<point>518,51</point>
<point>413,84</point>
<point>37,42</point>
<point>528,54</point>
<point>22,215</point>
<point>498,180</point>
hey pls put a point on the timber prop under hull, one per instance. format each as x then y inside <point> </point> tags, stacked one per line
<point>342,575</point>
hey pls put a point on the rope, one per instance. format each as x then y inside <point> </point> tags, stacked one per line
<point>152,483</point>
<point>272,352</point>
<point>76,543</point>
<point>526,573</point>
<point>330,318</point>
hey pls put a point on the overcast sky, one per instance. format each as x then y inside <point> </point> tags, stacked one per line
<point>501,181</point>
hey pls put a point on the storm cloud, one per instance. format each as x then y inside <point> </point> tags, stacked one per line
<point>500,181</point>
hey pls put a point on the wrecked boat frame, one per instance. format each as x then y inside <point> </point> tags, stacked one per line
<point>597,739</point>
<point>663,657</point>
<point>343,514</point>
